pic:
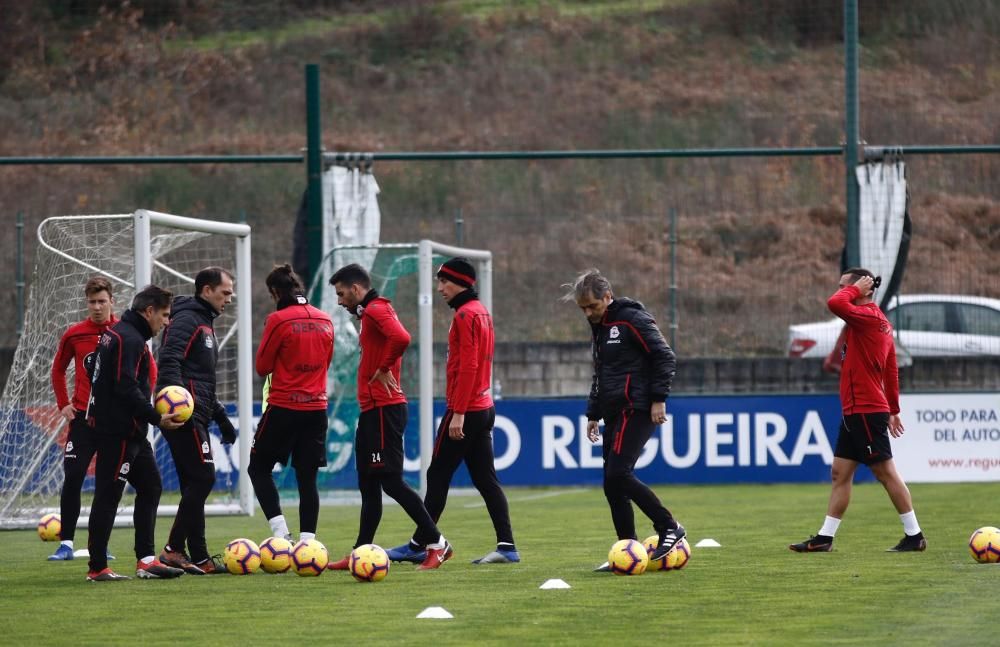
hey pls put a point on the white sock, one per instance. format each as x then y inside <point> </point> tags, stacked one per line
<point>441,542</point>
<point>910,525</point>
<point>830,525</point>
<point>67,542</point>
<point>148,559</point>
<point>278,526</point>
<point>306,535</point>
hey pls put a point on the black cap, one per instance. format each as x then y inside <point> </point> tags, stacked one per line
<point>459,271</point>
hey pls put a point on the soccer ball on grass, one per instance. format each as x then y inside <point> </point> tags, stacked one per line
<point>627,557</point>
<point>369,563</point>
<point>241,557</point>
<point>50,527</point>
<point>309,558</point>
<point>672,561</point>
<point>984,544</point>
<point>275,555</point>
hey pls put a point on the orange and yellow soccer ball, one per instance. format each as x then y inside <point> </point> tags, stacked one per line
<point>276,555</point>
<point>627,557</point>
<point>309,558</point>
<point>369,563</point>
<point>241,557</point>
<point>50,527</point>
<point>675,560</point>
<point>984,544</point>
<point>174,400</point>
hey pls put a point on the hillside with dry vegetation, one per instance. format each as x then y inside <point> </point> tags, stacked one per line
<point>756,240</point>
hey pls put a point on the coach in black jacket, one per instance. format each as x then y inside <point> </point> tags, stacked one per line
<point>187,358</point>
<point>119,411</point>
<point>633,369</point>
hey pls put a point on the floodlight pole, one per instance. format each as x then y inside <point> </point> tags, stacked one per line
<point>852,131</point>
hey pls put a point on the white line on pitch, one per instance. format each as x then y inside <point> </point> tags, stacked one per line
<point>533,497</point>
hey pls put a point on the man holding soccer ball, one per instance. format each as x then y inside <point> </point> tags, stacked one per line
<point>187,358</point>
<point>633,370</point>
<point>119,412</point>
<point>869,396</point>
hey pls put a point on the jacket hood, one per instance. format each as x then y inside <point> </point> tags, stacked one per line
<point>624,303</point>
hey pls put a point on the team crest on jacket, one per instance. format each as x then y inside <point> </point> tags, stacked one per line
<point>209,341</point>
<point>614,332</point>
<point>204,447</point>
<point>125,469</point>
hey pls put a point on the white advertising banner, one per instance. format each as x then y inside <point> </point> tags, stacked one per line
<point>949,438</point>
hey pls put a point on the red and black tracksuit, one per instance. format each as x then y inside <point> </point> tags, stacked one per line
<point>296,350</point>
<point>188,354</point>
<point>467,389</point>
<point>119,413</point>
<point>77,345</point>
<point>869,379</point>
<point>378,442</point>
<point>633,368</point>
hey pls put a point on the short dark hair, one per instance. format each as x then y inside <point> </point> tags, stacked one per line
<point>352,274</point>
<point>591,282</point>
<point>97,284</point>
<point>210,276</point>
<point>151,295</point>
<point>858,272</point>
<point>284,281</point>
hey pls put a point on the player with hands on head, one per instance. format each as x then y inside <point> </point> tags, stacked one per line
<point>869,397</point>
<point>188,357</point>
<point>633,371</point>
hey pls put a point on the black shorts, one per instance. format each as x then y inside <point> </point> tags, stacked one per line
<point>378,443</point>
<point>283,432</point>
<point>864,438</point>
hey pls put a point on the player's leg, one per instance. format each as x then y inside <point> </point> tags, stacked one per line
<point>271,445</point>
<point>109,483</point>
<point>144,476</point>
<point>883,467</point>
<point>479,458</point>
<point>629,438</point>
<point>308,455</point>
<point>849,452</point>
<point>192,454</point>
<point>447,456</point>
<point>80,449</point>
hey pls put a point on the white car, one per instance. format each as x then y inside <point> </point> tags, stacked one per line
<point>926,325</point>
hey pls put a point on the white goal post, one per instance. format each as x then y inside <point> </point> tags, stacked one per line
<point>131,250</point>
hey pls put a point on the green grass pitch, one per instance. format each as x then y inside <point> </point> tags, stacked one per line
<point>752,590</point>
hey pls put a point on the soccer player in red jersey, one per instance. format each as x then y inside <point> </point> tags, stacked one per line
<point>77,346</point>
<point>869,396</point>
<point>466,431</point>
<point>295,351</point>
<point>378,443</point>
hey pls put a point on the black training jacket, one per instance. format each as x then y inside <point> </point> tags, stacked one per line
<point>633,365</point>
<point>188,355</point>
<point>119,383</point>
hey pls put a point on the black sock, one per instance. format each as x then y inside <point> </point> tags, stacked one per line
<point>503,545</point>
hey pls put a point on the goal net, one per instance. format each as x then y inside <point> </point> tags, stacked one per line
<point>130,250</point>
<point>403,273</point>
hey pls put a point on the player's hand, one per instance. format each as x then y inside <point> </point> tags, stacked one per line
<point>170,421</point>
<point>593,430</point>
<point>68,412</point>
<point>387,380</point>
<point>895,426</point>
<point>658,413</point>
<point>455,426</point>
<point>865,284</point>
<point>226,430</point>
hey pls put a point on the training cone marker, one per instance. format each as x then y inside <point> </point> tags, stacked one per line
<point>435,612</point>
<point>708,543</point>
<point>554,584</point>
<point>81,552</point>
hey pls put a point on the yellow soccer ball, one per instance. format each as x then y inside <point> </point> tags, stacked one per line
<point>984,544</point>
<point>309,558</point>
<point>276,555</point>
<point>50,527</point>
<point>174,400</point>
<point>627,557</point>
<point>677,558</point>
<point>369,563</point>
<point>241,557</point>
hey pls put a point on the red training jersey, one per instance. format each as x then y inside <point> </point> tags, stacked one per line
<point>470,358</point>
<point>383,339</point>
<point>77,343</point>
<point>869,378</point>
<point>295,351</point>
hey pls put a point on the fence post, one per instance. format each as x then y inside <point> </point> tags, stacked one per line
<point>314,171</point>
<point>459,228</point>
<point>852,134</point>
<point>673,277</point>
<point>19,274</point>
